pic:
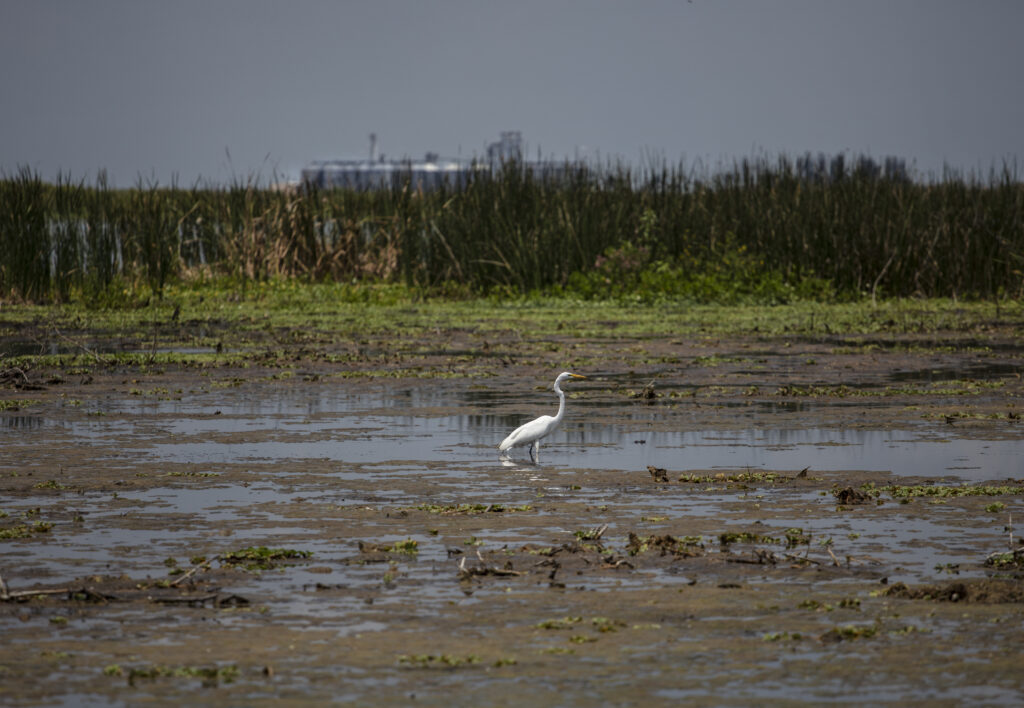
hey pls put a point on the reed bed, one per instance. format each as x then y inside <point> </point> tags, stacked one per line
<point>762,229</point>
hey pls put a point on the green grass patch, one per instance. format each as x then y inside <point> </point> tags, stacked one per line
<point>742,478</point>
<point>1009,559</point>
<point>25,530</point>
<point>954,387</point>
<point>685,546</point>
<point>791,539</point>
<point>444,661</point>
<point>261,557</point>
<point>409,547</point>
<point>745,537</point>
<point>949,491</point>
<point>209,675</point>
<point>259,328</point>
<point>49,484</point>
<point>563,623</point>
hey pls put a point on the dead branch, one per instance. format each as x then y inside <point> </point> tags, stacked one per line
<point>91,352</point>
<point>32,593</point>
<point>835,561</point>
<point>801,559</point>
<point>192,571</point>
<point>467,573</point>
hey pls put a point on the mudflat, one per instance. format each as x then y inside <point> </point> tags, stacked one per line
<point>310,516</point>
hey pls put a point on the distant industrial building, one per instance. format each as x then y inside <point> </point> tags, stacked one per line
<point>429,173</point>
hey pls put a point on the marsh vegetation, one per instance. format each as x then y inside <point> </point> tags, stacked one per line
<point>764,232</point>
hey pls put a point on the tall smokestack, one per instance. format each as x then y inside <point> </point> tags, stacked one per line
<point>373,147</point>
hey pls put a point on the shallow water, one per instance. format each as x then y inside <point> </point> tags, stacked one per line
<point>320,468</point>
<point>315,422</point>
<point>409,437</point>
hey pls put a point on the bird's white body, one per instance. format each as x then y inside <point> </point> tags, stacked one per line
<point>532,432</point>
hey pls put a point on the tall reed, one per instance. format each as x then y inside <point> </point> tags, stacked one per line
<point>864,231</point>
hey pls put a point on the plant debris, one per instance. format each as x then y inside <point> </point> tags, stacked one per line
<point>986,591</point>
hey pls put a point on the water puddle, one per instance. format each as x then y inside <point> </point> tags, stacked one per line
<point>310,424</point>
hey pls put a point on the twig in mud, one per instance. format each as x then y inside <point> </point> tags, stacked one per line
<point>593,534</point>
<point>99,359</point>
<point>801,559</point>
<point>658,474</point>
<point>862,559</point>
<point>12,372</point>
<point>32,593</point>
<point>1015,557</point>
<point>647,393</point>
<point>835,561</point>
<point>467,573</point>
<point>192,571</point>
<point>6,594</point>
<point>215,598</point>
<point>201,599</point>
<point>758,557</point>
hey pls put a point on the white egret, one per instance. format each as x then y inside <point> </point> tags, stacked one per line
<point>531,433</point>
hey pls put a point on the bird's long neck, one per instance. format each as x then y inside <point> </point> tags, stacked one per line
<point>561,404</point>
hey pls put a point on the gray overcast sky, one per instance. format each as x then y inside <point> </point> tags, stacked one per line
<point>159,89</point>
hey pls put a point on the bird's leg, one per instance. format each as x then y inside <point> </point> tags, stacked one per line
<point>535,450</point>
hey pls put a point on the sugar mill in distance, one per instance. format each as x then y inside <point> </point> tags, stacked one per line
<point>429,173</point>
<point>433,171</point>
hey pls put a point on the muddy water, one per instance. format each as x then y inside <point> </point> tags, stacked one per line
<point>551,583</point>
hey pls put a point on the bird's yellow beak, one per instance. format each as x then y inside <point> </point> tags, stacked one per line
<point>577,376</point>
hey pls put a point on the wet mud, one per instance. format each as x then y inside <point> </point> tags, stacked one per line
<point>758,521</point>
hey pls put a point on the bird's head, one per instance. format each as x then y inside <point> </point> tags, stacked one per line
<point>566,375</point>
